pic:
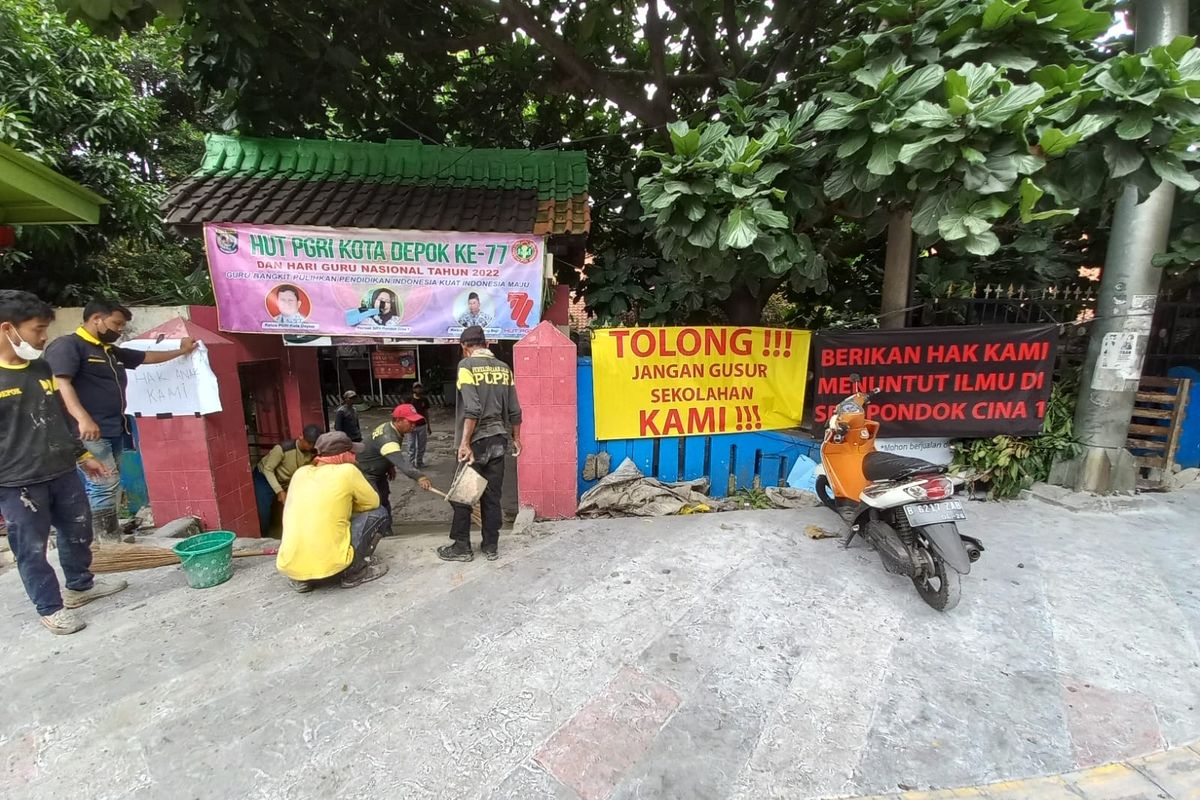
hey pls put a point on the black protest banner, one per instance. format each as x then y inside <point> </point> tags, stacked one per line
<point>946,382</point>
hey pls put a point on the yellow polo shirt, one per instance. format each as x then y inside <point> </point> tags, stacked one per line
<point>316,520</point>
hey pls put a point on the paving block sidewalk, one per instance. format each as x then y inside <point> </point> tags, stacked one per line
<point>1169,775</point>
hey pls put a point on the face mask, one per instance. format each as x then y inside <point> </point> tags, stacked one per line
<point>24,349</point>
<point>108,337</point>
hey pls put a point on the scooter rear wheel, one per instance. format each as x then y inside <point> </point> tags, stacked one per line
<point>825,494</point>
<point>943,589</point>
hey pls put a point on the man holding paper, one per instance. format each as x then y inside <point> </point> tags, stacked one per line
<point>91,373</point>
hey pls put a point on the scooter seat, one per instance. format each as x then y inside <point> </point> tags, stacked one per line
<point>879,466</point>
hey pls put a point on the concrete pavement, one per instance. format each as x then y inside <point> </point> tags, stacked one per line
<point>711,656</point>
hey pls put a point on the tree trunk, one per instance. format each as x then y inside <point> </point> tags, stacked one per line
<point>897,270</point>
<point>743,308</point>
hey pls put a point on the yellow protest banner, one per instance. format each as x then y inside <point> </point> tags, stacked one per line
<point>657,382</point>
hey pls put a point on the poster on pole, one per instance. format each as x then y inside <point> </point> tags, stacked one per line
<point>183,386</point>
<point>394,364</point>
<point>312,281</point>
<point>659,382</point>
<point>966,381</point>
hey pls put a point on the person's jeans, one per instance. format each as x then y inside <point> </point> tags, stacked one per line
<point>489,505</point>
<point>417,441</point>
<point>103,493</point>
<point>366,529</point>
<point>30,511</point>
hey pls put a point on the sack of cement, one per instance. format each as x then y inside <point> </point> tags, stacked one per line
<point>787,497</point>
<point>627,492</point>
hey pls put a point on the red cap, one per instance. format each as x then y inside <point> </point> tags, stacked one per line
<point>408,412</point>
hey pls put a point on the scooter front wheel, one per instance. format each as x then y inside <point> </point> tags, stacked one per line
<point>943,589</point>
<point>824,493</point>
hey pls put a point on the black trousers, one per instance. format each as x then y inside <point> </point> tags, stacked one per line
<point>489,505</point>
<point>383,487</point>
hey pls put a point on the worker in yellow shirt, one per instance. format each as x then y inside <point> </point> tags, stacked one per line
<point>332,521</point>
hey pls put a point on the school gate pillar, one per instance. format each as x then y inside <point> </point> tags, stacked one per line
<point>544,367</point>
<point>199,465</point>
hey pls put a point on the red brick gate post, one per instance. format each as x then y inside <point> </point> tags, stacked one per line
<point>544,367</point>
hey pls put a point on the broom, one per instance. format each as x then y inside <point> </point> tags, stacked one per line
<point>129,557</point>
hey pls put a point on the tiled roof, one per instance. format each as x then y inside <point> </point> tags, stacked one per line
<point>398,185</point>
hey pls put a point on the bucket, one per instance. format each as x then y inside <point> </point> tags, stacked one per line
<point>468,486</point>
<point>207,558</point>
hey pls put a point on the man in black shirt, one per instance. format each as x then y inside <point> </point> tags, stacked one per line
<point>418,440</point>
<point>91,373</point>
<point>486,410</point>
<point>345,419</point>
<point>39,487</point>
<point>384,454</point>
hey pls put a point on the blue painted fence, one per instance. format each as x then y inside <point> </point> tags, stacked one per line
<point>767,455</point>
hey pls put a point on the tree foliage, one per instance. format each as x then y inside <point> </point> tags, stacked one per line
<point>967,114</point>
<point>110,115</point>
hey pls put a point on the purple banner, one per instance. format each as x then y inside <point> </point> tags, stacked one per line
<point>377,283</point>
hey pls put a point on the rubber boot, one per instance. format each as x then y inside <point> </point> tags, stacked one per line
<point>105,525</point>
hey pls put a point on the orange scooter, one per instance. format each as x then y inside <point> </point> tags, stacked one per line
<point>904,507</point>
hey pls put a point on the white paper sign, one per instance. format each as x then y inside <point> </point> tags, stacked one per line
<point>183,386</point>
<point>935,451</point>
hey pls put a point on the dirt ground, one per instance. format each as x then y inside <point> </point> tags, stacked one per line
<point>415,511</point>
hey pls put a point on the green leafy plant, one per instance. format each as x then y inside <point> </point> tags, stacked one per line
<point>1010,464</point>
<point>754,498</point>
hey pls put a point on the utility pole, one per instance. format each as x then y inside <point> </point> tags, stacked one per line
<point>1125,309</point>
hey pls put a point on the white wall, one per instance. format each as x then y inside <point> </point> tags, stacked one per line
<point>67,320</point>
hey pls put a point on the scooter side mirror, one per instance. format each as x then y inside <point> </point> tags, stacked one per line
<point>876,390</point>
<point>854,376</point>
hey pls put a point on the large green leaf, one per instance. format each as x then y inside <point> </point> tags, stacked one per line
<point>1090,124</point>
<point>739,230</point>
<point>997,110</point>
<point>929,211</point>
<point>928,115</point>
<point>693,208</point>
<point>1055,142</point>
<point>983,243</point>
<point>712,133</point>
<point>883,156</point>
<point>910,151</point>
<point>704,233</point>
<point>1122,158</point>
<point>840,181</point>
<point>686,142</point>
<point>834,119</point>
<point>1135,125</point>
<point>769,172</point>
<point>958,224</point>
<point>999,13</point>
<point>918,84</point>
<point>1189,65</point>
<point>853,142</point>
<point>771,218</point>
<point>957,93</point>
<point>1030,194</point>
<point>1170,168</point>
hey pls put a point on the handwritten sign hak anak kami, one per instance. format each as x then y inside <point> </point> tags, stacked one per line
<point>181,386</point>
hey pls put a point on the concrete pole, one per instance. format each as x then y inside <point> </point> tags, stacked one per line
<point>1128,289</point>
<point>897,270</point>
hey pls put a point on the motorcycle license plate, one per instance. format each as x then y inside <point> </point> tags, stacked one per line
<point>928,513</point>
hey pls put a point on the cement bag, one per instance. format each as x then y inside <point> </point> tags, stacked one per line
<point>468,486</point>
